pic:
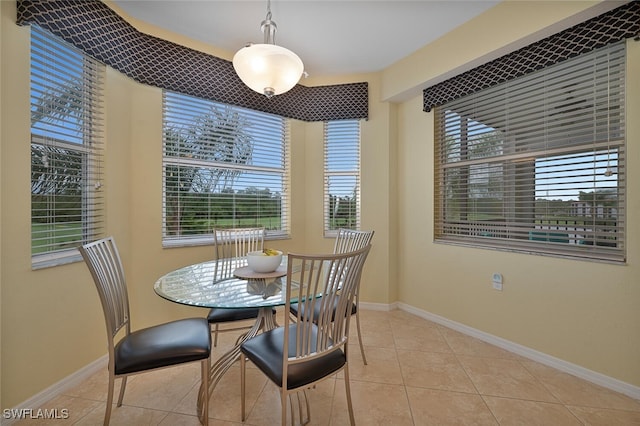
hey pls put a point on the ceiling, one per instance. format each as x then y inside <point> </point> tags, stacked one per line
<point>331,37</point>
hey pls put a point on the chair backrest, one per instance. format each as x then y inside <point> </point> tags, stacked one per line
<point>234,244</point>
<point>307,278</point>
<point>349,240</point>
<point>104,263</point>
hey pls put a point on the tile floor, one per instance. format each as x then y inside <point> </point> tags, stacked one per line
<point>419,373</point>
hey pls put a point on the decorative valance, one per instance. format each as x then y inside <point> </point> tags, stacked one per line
<point>101,33</point>
<point>615,25</point>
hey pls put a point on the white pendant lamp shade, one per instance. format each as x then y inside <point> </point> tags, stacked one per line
<point>267,68</point>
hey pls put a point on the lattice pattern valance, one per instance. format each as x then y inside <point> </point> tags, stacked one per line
<point>94,28</point>
<point>618,24</point>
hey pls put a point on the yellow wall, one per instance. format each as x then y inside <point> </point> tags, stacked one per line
<point>506,27</point>
<point>51,321</point>
<point>586,313</point>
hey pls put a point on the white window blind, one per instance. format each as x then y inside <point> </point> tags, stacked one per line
<point>341,175</point>
<point>223,166</point>
<point>537,164</point>
<point>66,149</point>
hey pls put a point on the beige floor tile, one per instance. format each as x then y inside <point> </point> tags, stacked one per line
<point>124,416</point>
<point>375,331</point>
<point>419,373</point>
<point>504,377</point>
<point>400,316</point>
<point>375,320</point>
<point>162,389</point>
<point>96,386</point>
<point>606,417</point>
<point>466,345</point>
<point>434,370</point>
<point>225,402</point>
<point>267,409</point>
<point>59,411</point>
<point>382,366</point>
<point>572,390</point>
<point>174,419</point>
<point>227,389</point>
<point>354,351</point>
<point>373,404</point>
<point>188,404</point>
<point>382,338</point>
<point>512,412</point>
<point>423,336</point>
<point>437,408</point>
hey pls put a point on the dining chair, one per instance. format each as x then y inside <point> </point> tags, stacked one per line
<point>232,244</point>
<point>303,351</point>
<point>159,346</point>
<point>348,240</point>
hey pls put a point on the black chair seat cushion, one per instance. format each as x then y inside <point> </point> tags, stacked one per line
<point>163,345</point>
<point>228,315</point>
<point>265,351</point>
<point>316,309</point>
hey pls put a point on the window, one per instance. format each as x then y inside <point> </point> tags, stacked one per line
<point>341,175</point>
<point>537,164</point>
<point>223,166</point>
<point>66,149</point>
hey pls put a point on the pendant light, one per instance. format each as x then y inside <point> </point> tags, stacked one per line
<point>267,68</point>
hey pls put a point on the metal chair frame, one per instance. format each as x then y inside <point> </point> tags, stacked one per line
<point>103,260</point>
<point>234,243</point>
<point>349,240</point>
<point>305,340</point>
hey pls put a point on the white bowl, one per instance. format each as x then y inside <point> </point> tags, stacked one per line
<point>260,262</point>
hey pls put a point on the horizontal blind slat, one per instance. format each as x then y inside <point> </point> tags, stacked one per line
<point>66,145</point>
<point>223,166</point>
<point>341,175</point>
<point>539,155</point>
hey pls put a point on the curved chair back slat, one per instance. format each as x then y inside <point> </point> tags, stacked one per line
<point>333,276</point>
<point>235,243</point>
<point>309,348</point>
<point>103,260</point>
<point>349,240</point>
<point>231,248</point>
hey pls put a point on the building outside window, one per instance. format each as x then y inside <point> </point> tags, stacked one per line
<point>223,166</point>
<point>66,150</point>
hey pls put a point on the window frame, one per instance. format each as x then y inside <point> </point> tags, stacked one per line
<point>558,141</point>
<point>341,138</point>
<point>184,114</point>
<point>75,130</point>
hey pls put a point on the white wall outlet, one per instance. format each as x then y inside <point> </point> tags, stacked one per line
<point>497,281</point>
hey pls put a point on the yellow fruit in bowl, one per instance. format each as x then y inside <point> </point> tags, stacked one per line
<point>261,261</point>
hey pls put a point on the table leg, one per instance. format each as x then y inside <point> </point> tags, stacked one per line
<point>266,320</point>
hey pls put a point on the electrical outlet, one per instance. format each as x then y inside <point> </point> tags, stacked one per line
<point>497,281</point>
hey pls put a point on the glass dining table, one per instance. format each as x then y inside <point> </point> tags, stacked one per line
<point>228,284</point>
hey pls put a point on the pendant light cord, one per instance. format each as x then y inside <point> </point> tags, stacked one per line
<point>269,27</point>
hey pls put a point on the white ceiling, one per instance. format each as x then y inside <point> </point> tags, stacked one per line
<point>331,37</point>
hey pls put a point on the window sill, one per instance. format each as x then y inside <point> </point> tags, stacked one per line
<point>207,240</point>
<point>50,260</point>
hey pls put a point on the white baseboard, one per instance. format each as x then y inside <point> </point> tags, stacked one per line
<point>559,364</point>
<point>40,399</point>
<point>378,306</point>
